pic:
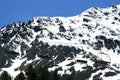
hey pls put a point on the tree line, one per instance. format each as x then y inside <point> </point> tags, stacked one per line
<point>31,73</point>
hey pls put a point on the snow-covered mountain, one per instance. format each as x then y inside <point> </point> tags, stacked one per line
<point>87,44</point>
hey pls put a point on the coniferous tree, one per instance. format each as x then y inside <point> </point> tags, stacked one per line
<point>31,73</point>
<point>69,77</point>
<point>55,75</point>
<point>39,72</point>
<point>5,76</point>
<point>44,73</point>
<point>20,76</point>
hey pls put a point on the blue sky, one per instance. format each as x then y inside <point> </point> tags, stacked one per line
<point>22,10</point>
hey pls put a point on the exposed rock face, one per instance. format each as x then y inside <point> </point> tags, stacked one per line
<point>72,44</point>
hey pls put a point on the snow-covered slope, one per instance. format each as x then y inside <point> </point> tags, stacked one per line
<point>87,44</point>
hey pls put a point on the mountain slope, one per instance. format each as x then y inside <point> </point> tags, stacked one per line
<point>87,44</point>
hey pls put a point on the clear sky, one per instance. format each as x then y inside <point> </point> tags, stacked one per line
<point>22,10</point>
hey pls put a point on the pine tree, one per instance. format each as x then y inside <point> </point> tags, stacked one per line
<point>5,76</point>
<point>69,77</point>
<point>39,71</point>
<point>55,75</point>
<point>31,73</point>
<point>46,72</point>
<point>43,73</point>
<point>20,76</point>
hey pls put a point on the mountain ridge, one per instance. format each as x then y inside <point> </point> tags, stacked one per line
<point>86,42</point>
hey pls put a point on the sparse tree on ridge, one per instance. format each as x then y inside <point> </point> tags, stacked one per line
<point>5,76</point>
<point>55,75</point>
<point>20,76</point>
<point>31,73</point>
<point>43,73</point>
